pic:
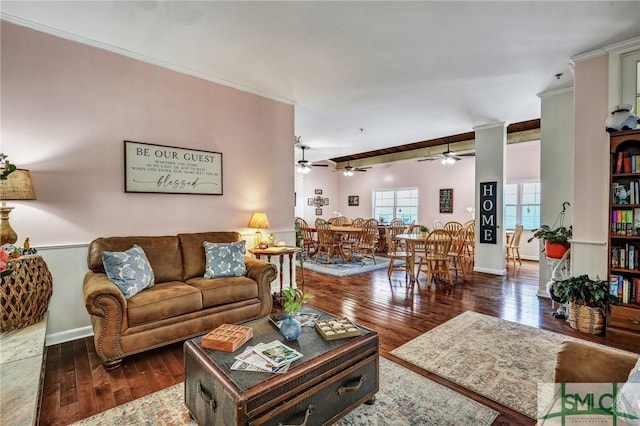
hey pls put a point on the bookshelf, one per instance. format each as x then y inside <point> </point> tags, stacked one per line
<point>623,321</point>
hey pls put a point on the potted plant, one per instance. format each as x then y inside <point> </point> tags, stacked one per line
<point>556,240</point>
<point>587,299</point>
<point>424,230</point>
<point>293,299</point>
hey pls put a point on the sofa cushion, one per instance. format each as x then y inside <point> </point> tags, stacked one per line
<point>628,401</point>
<point>129,270</point>
<point>220,291</point>
<point>163,253</point>
<point>162,301</point>
<point>224,259</point>
<point>193,254</point>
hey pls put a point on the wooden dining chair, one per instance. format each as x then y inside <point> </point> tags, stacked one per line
<point>340,221</point>
<point>437,224</point>
<point>309,242</point>
<point>470,245</point>
<point>456,253</point>
<point>366,246</point>
<point>395,253</point>
<point>396,226</point>
<point>513,247</point>
<point>452,227</point>
<point>326,241</point>
<point>435,261</point>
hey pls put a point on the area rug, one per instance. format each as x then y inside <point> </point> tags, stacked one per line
<point>339,268</point>
<point>501,360</point>
<point>404,398</point>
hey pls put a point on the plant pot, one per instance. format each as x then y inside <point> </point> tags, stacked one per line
<point>555,250</point>
<point>586,319</point>
<point>290,329</point>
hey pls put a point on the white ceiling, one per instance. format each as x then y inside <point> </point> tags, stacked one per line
<point>401,71</point>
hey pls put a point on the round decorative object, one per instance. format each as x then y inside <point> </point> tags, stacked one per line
<point>290,329</point>
<point>25,293</point>
<point>586,319</point>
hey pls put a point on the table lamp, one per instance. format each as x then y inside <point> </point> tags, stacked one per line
<point>17,186</point>
<point>258,221</point>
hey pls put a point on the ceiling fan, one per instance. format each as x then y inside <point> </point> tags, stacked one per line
<point>304,166</point>
<point>449,157</point>
<point>349,169</point>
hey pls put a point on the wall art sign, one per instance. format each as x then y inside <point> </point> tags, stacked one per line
<point>354,200</point>
<point>446,200</point>
<point>488,212</point>
<point>166,169</point>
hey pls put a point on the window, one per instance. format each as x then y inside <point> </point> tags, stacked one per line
<point>522,205</point>
<point>391,203</point>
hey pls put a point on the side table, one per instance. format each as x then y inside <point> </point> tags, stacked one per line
<point>25,293</point>
<point>281,252</point>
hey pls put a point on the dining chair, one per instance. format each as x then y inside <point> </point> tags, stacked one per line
<point>452,227</point>
<point>513,247</point>
<point>326,241</point>
<point>435,260</point>
<point>437,224</point>
<point>394,253</point>
<point>340,221</point>
<point>309,242</point>
<point>366,247</point>
<point>396,226</point>
<point>470,245</point>
<point>456,253</point>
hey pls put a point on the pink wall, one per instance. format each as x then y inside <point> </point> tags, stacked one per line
<point>67,107</point>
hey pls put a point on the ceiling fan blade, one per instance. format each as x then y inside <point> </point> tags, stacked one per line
<point>359,170</point>
<point>429,159</point>
<point>320,165</point>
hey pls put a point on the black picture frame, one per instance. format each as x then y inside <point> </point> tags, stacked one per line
<point>354,200</point>
<point>318,212</point>
<point>318,191</point>
<point>446,200</point>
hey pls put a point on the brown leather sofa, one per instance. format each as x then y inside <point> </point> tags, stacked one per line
<point>180,305</point>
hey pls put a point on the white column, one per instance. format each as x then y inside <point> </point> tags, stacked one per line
<point>556,163</point>
<point>491,144</point>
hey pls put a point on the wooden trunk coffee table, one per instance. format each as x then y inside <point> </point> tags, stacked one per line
<point>331,379</point>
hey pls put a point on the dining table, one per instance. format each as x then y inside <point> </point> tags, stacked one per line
<point>411,241</point>
<point>342,232</point>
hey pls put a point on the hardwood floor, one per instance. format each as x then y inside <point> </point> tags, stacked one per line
<point>76,386</point>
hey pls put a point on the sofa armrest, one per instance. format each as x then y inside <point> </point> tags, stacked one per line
<point>582,363</point>
<point>263,273</point>
<point>104,299</point>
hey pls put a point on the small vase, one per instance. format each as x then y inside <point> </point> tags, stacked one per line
<point>290,329</point>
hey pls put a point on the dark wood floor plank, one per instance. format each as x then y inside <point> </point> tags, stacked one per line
<point>84,380</point>
<point>398,312</point>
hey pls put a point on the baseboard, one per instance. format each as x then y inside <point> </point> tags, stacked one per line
<point>490,271</point>
<point>68,335</point>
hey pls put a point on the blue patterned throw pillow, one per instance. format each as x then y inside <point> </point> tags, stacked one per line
<point>224,259</point>
<point>129,270</point>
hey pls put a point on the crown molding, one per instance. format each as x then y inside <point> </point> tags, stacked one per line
<point>555,92</point>
<point>623,46</point>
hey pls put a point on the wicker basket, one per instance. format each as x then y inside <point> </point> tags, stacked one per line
<point>586,319</point>
<point>25,293</point>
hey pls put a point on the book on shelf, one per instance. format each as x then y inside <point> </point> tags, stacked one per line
<point>614,281</point>
<point>635,290</point>
<point>626,162</point>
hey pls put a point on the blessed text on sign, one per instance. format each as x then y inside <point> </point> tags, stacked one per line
<point>158,168</point>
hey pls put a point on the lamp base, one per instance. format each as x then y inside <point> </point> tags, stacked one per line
<point>7,234</point>
<point>257,238</point>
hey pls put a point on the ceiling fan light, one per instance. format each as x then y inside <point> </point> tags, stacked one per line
<point>348,173</point>
<point>451,160</point>
<point>444,161</point>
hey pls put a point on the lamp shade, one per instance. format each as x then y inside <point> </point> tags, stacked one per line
<point>258,220</point>
<point>17,186</point>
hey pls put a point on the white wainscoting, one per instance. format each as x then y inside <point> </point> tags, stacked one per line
<point>68,318</point>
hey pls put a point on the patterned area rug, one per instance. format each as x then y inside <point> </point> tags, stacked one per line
<point>404,398</point>
<point>339,268</point>
<point>501,360</point>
